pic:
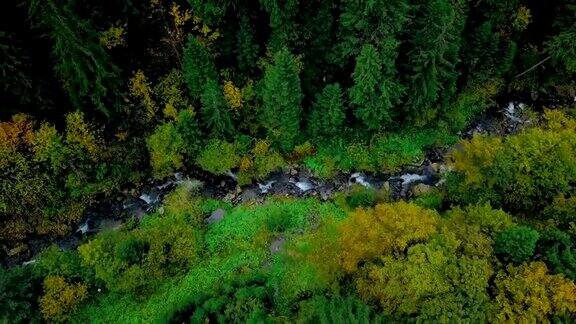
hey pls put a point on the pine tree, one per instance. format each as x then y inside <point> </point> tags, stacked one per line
<point>247,47</point>
<point>374,92</point>
<point>327,117</point>
<point>82,64</point>
<point>198,67</point>
<point>215,113</point>
<point>284,28</point>
<point>282,95</point>
<point>377,22</point>
<point>432,60</point>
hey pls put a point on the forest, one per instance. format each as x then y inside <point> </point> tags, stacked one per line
<point>280,161</point>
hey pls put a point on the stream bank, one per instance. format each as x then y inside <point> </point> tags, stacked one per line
<point>291,182</point>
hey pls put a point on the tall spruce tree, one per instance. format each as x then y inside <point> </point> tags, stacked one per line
<point>198,67</point>
<point>435,45</point>
<point>215,113</point>
<point>327,116</point>
<point>282,95</point>
<point>83,66</point>
<point>374,92</point>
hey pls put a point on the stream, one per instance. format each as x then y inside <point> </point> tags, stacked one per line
<point>293,182</point>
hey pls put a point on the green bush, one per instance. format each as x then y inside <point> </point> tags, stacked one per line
<point>167,149</point>
<point>218,157</point>
<point>517,244</point>
<point>559,252</point>
<point>19,291</point>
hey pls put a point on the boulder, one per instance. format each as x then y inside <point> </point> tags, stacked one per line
<point>216,216</point>
<point>421,189</point>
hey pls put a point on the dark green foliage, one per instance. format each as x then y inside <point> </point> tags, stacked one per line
<point>248,49</point>
<point>243,300</point>
<point>83,66</point>
<point>337,310</point>
<point>562,210</point>
<point>517,244</point>
<point>215,113</point>
<point>198,67</point>
<point>435,43</point>
<point>488,53</point>
<point>19,290</point>
<point>360,196</point>
<point>328,112</point>
<point>282,96</point>
<point>377,22</point>
<point>188,128</point>
<point>14,80</point>
<point>562,48</point>
<point>131,250</point>
<point>211,10</point>
<point>284,28</point>
<point>559,252</point>
<point>55,262</point>
<point>374,93</point>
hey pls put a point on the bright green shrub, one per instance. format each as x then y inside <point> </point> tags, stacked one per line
<point>218,157</point>
<point>360,196</point>
<point>167,148</point>
<point>246,299</point>
<point>131,250</point>
<point>136,261</point>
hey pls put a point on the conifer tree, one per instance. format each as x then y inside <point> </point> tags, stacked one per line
<point>215,113</point>
<point>247,47</point>
<point>377,22</point>
<point>436,40</point>
<point>284,28</point>
<point>373,93</point>
<point>327,117</point>
<point>282,95</point>
<point>198,67</point>
<point>85,69</point>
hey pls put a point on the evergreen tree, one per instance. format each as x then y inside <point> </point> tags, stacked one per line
<point>215,113</point>
<point>82,64</point>
<point>378,22</point>
<point>374,94</point>
<point>247,47</point>
<point>327,117</point>
<point>432,60</point>
<point>282,95</point>
<point>198,67</point>
<point>284,28</point>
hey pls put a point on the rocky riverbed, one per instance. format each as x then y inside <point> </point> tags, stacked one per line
<point>293,182</point>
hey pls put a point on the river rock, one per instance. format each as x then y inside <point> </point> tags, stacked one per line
<point>248,195</point>
<point>421,189</point>
<point>386,186</point>
<point>216,216</point>
<point>277,245</point>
